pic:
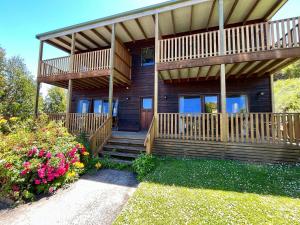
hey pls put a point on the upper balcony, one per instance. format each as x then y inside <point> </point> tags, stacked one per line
<point>257,48</point>
<point>93,66</point>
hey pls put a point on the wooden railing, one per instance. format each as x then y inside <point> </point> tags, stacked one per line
<point>77,123</point>
<point>101,135</point>
<point>250,38</point>
<point>271,128</point>
<point>148,143</point>
<point>96,60</point>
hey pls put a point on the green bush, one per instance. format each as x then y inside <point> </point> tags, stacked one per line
<point>39,157</point>
<point>143,165</point>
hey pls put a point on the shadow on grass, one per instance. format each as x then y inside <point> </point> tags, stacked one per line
<point>265,179</point>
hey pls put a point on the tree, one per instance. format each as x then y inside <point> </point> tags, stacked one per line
<point>55,102</point>
<point>289,72</point>
<point>17,87</point>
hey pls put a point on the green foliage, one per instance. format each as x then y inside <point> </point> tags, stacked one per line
<point>289,72</point>
<point>17,88</point>
<point>287,95</point>
<point>55,101</point>
<point>39,157</point>
<point>143,165</point>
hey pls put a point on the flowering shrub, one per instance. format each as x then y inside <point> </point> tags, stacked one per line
<point>40,160</point>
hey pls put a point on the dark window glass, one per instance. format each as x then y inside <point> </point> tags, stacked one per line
<point>190,105</point>
<point>236,104</point>
<point>147,103</point>
<point>211,104</point>
<point>147,56</point>
<point>83,106</point>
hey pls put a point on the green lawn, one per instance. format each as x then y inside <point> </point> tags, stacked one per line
<point>182,191</point>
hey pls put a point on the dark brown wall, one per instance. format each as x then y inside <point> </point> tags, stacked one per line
<point>142,86</point>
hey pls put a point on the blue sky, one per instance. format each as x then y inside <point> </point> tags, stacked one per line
<point>21,20</point>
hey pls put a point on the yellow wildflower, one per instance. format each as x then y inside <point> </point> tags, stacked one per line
<point>71,174</point>
<point>13,119</point>
<point>86,153</point>
<point>79,165</point>
<point>98,165</point>
<point>3,121</point>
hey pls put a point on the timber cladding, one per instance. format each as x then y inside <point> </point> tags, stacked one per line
<point>142,85</point>
<point>236,151</point>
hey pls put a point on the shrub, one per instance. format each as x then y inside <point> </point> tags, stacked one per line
<point>143,165</point>
<point>39,157</point>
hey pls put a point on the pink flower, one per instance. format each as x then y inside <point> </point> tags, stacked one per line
<point>37,181</point>
<point>32,152</point>
<point>44,181</point>
<point>41,172</point>
<point>48,155</point>
<point>15,188</point>
<point>26,165</point>
<point>72,152</point>
<point>41,153</point>
<point>60,155</point>
<point>83,150</point>
<point>74,160</point>
<point>51,189</point>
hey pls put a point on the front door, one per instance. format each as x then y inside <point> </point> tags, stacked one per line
<point>146,112</point>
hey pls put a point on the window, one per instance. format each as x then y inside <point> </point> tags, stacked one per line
<point>102,106</point>
<point>190,105</point>
<point>147,56</point>
<point>236,104</point>
<point>147,103</point>
<point>83,106</point>
<point>211,104</point>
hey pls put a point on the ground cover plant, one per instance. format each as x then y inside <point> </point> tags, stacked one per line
<point>37,156</point>
<point>190,191</point>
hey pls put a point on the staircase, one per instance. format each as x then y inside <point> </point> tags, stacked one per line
<point>124,147</point>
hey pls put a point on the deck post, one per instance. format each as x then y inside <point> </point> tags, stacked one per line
<point>222,72</point>
<point>112,65</point>
<point>70,84</point>
<point>156,73</point>
<point>38,85</point>
<point>272,92</point>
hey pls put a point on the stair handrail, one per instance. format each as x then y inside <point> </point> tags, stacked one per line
<point>149,139</point>
<point>101,136</point>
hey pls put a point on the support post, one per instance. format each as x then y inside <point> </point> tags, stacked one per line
<point>38,86</point>
<point>69,103</point>
<point>72,52</point>
<point>112,65</point>
<point>222,73</point>
<point>156,73</point>
<point>272,92</point>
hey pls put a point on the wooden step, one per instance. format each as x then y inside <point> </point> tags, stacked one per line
<point>123,148</point>
<point>120,154</point>
<point>121,161</point>
<point>131,142</point>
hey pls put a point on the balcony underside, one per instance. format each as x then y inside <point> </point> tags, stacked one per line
<point>86,80</point>
<point>255,64</point>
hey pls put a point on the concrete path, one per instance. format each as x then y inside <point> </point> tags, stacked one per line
<point>94,199</point>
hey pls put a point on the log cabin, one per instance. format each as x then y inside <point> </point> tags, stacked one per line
<point>181,78</point>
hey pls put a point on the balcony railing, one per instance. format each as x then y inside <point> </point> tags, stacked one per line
<point>250,38</point>
<point>96,60</point>
<point>262,128</point>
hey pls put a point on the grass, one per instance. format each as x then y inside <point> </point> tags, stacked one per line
<point>186,191</point>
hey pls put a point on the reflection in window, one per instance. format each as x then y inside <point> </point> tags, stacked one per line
<point>102,106</point>
<point>190,105</point>
<point>83,106</point>
<point>97,106</point>
<point>147,56</point>
<point>236,104</point>
<point>147,103</point>
<point>211,104</point>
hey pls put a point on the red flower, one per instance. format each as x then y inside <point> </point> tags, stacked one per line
<point>8,166</point>
<point>41,172</point>
<point>26,165</point>
<point>74,160</point>
<point>83,150</point>
<point>15,188</point>
<point>41,153</point>
<point>24,172</point>
<point>32,152</point>
<point>72,152</point>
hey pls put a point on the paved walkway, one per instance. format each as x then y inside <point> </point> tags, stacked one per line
<point>94,199</point>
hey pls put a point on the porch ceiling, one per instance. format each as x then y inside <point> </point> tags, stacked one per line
<point>236,70</point>
<point>196,15</point>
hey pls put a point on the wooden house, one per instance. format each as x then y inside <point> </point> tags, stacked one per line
<point>186,78</point>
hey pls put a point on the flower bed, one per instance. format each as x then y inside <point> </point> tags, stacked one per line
<point>40,159</point>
